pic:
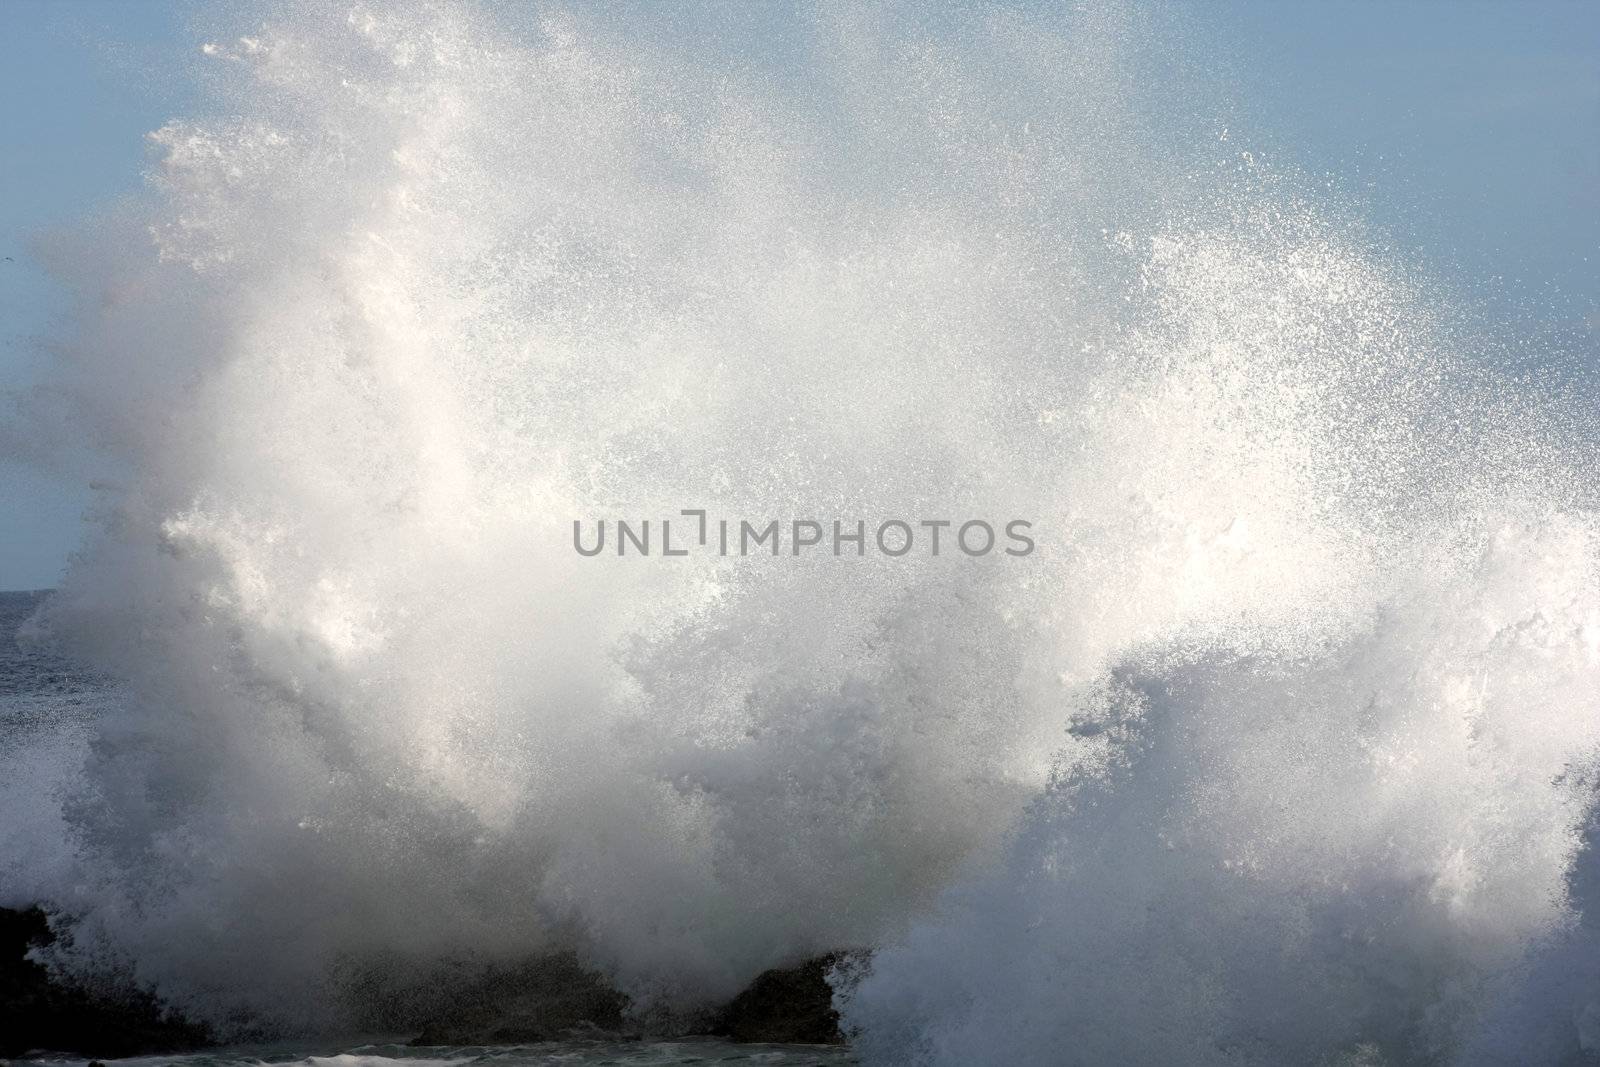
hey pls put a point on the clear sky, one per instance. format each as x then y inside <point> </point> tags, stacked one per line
<point>80,85</point>
<point>1470,130</point>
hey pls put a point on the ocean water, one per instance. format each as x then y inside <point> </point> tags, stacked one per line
<point>50,707</point>
<point>1281,748</point>
<point>39,688</point>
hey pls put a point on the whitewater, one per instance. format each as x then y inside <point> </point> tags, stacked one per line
<point>1279,748</point>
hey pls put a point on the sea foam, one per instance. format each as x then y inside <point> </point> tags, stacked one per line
<point>1278,748</point>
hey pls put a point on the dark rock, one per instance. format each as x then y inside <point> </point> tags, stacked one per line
<point>785,1005</point>
<point>542,1000</point>
<point>38,1011</point>
<point>554,997</point>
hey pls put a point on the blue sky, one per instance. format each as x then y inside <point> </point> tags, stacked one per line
<point>1471,131</point>
<point>80,85</point>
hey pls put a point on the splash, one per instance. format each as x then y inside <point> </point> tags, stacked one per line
<point>1279,746</point>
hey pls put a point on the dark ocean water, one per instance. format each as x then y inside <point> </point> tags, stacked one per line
<point>38,686</point>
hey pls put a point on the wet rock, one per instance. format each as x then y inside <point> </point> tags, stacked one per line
<point>555,998</point>
<point>785,1005</point>
<point>40,1012</point>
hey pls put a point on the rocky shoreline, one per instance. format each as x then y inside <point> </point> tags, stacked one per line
<point>547,999</point>
<point>555,997</point>
<point>110,1020</point>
